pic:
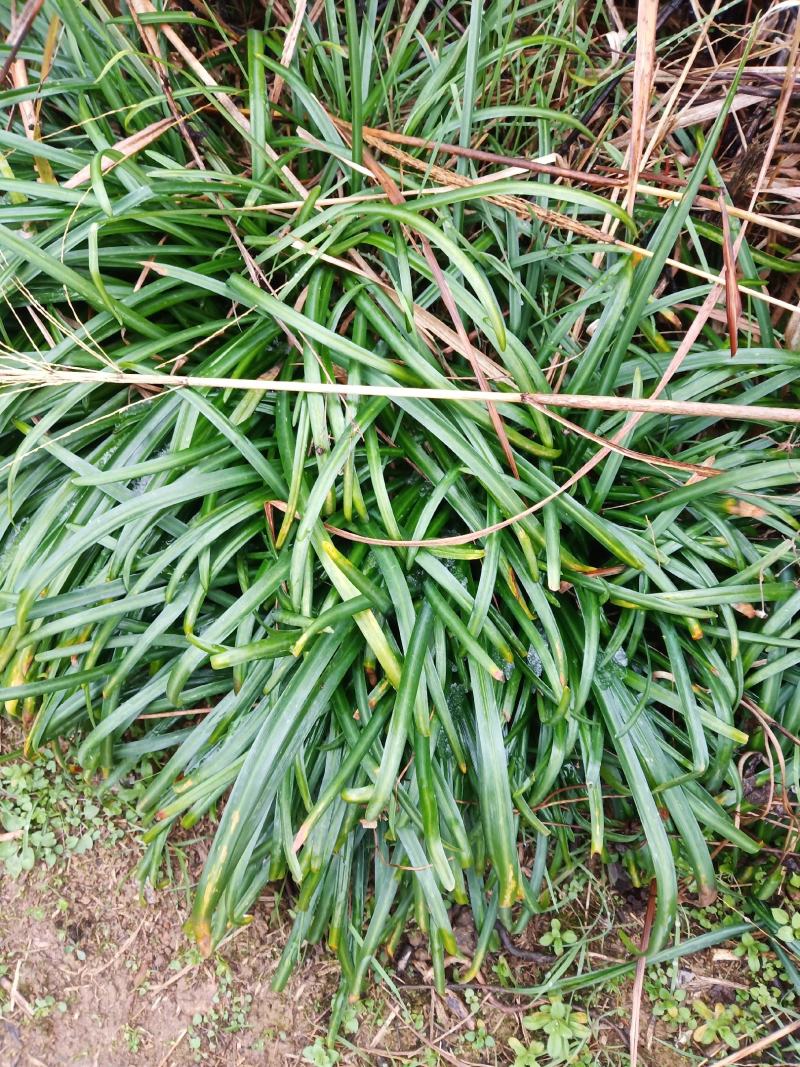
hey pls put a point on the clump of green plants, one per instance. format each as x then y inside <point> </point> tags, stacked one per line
<point>564,1028</point>
<point>557,938</point>
<point>479,1038</point>
<point>228,1014</point>
<point>410,515</point>
<point>718,1024</point>
<point>47,814</point>
<point>668,1001</point>
<point>765,989</point>
<point>44,1007</point>
<point>133,1038</point>
<point>476,1036</point>
<point>319,1054</point>
<point>789,924</point>
<point>526,1054</point>
<point>751,951</point>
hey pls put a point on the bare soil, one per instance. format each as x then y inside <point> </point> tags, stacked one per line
<point>127,990</point>
<point>96,973</point>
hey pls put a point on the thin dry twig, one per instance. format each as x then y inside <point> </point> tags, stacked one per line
<point>644,67</point>
<point>38,375</point>
<point>638,981</point>
<point>289,46</point>
<point>18,33</point>
<point>757,1046</point>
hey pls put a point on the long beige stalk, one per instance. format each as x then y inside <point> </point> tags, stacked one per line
<point>48,375</point>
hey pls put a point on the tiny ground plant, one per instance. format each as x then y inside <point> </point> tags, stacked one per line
<point>530,1054</point>
<point>133,1037</point>
<point>47,814</point>
<point>502,971</point>
<point>752,951</point>
<point>558,938</point>
<point>479,1038</point>
<point>719,1024</point>
<point>45,1006</point>
<point>565,1028</point>
<point>228,1014</point>
<point>669,1004</point>
<point>319,1055</point>
<point>789,928</point>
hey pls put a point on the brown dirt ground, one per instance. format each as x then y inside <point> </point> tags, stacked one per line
<point>134,991</point>
<point>134,994</point>
<point>95,974</point>
<point>131,985</point>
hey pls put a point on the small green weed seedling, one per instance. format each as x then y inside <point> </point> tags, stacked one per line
<point>46,814</point>
<point>557,938</point>
<point>566,1029</point>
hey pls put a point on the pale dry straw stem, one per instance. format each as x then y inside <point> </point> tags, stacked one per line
<point>698,14</point>
<point>643,69</point>
<point>652,405</point>
<point>289,46</point>
<point>141,7</point>
<point>610,224</point>
<point>49,340</point>
<point>27,112</point>
<point>705,112</point>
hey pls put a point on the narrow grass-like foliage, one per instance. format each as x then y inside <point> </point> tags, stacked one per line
<point>409,652</point>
